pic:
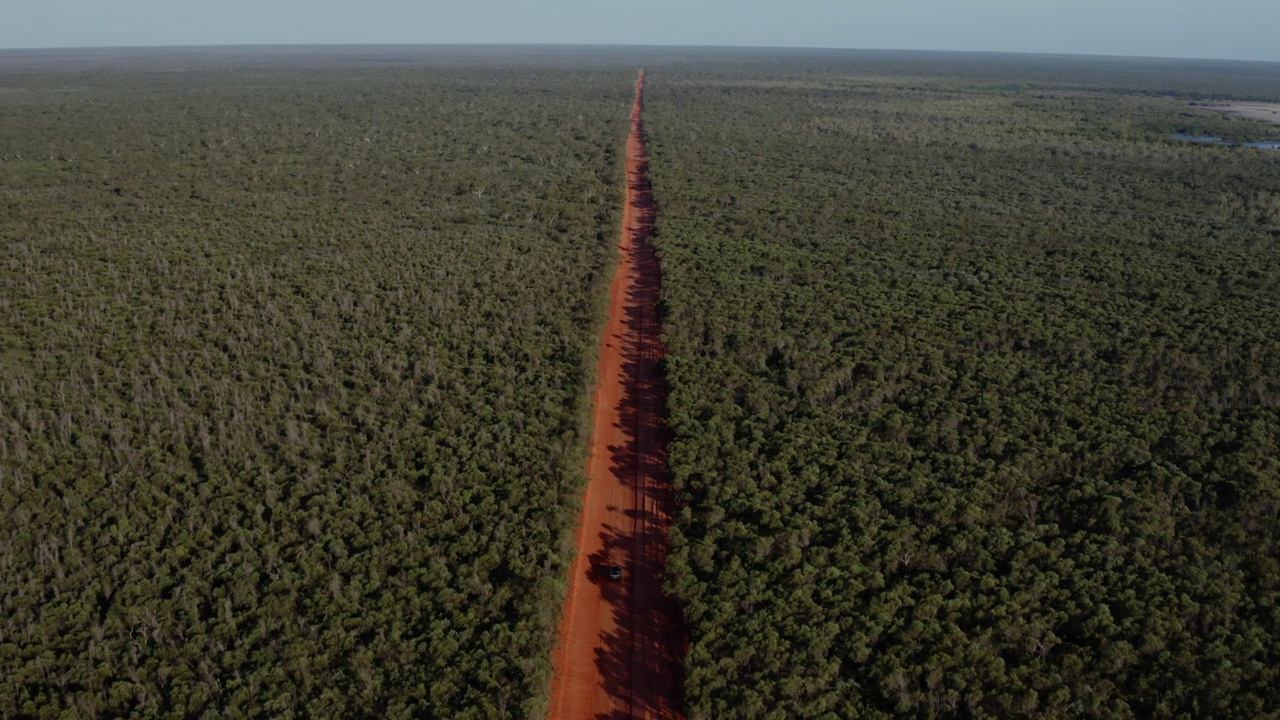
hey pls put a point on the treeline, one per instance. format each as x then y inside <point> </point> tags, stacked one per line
<point>975,390</point>
<point>293,377</point>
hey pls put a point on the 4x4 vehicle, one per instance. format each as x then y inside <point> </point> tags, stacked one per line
<point>613,572</point>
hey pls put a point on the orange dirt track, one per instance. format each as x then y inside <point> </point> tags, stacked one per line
<point>621,646</point>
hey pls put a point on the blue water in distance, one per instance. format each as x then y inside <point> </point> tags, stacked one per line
<point>1267,145</point>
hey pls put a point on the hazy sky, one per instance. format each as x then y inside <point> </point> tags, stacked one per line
<point>1244,29</point>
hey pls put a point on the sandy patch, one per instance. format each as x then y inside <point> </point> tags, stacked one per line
<point>1256,111</point>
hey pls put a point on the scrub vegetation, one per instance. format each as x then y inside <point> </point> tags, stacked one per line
<point>974,384</point>
<point>293,374</point>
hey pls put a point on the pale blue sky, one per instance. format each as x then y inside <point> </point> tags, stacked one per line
<point>1242,29</point>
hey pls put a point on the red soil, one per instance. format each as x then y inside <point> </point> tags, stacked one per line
<point>621,645</point>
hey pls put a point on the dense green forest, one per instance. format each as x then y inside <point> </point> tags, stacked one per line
<point>974,384</point>
<point>293,374</point>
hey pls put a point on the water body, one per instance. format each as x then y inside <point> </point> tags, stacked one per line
<point>1209,140</point>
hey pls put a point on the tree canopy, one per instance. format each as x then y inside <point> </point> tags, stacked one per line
<point>295,370</point>
<point>975,388</point>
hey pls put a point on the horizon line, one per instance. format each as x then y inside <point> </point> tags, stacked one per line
<point>711,46</point>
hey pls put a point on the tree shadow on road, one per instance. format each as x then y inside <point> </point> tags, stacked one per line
<point>642,660</point>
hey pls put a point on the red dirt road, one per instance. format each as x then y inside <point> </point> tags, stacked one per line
<point>621,646</point>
